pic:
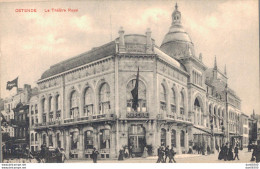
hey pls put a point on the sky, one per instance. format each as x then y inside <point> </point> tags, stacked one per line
<point>228,29</point>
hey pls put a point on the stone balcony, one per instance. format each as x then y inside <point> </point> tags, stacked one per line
<point>137,115</point>
<point>175,117</point>
<point>75,120</point>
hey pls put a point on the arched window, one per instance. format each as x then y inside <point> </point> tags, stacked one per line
<point>182,138</point>
<point>173,102</point>
<point>104,139</point>
<point>173,138</point>
<point>141,106</point>
<point>36,137</point>
<point>104,99</point>
<point>162,99</point>
<point>181,103</point>
<point>50,140</point>
<point>50,109</point>
<point>74,140</point>
<point>50,104</point>
<point>210,112</point>
<point>88,102</point>
<point>36,109</point>
<point>43,111</point>
<point>44,138</point>
<point>88,139</point>
<point>32,112</point>
<point>32,137</point>
<point>74,107</point>
<point>163,137</point>
<point>43,105</point>
<point>58,140</point>
<point>58,107</point>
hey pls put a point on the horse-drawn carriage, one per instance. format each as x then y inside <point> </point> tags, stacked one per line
<point>48,155</point>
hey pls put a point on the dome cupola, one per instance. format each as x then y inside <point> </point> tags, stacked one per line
<point>177,43</point>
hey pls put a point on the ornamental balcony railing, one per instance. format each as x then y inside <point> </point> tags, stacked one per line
<point>137,115</point>
<point>92,118</point>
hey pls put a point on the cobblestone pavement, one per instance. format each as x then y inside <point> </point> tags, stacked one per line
<point>244,156</point>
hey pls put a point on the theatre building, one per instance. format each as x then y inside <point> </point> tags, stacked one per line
<point>87,101</point>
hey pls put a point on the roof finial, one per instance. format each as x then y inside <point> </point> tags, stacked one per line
<point>225,70</point>
<point>176,6</point>
<point>215,63</point>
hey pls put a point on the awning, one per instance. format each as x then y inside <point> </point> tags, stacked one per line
<point>200,131</point>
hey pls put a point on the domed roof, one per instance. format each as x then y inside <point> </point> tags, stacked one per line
<point>176,33</point>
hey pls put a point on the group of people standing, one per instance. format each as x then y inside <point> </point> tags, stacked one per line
<point>226,152</point>
<point>164,153</point>
<point>125,152</point>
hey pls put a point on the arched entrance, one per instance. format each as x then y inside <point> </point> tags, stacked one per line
<point>163,137</point>
<point>136,139</point>
<point>198,112</point>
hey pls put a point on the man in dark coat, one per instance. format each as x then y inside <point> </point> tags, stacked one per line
<point>225,152</point>
<point>166,152</point>
<point>171,155</point>
<point>236,152</point>
<point>130,151</point>
<point>159,153</point>
<point>94,155</point>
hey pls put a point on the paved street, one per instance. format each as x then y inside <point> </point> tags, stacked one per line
<point>183,158</point>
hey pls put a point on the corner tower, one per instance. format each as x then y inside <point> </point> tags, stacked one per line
<point>177,43</point>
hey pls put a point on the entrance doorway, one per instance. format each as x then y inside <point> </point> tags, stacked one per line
<point>136,139</point>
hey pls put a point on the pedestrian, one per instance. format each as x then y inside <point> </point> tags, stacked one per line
<point>208,150</point>
<point>166,152</point>
<point>217,147</point>
<point>121,154</point>
<point>236,152</point>
<point>221,153</point>
<point>159,155</point>
<point>130,151</point>
<point>254,153</point>
<point>225,152</point>
<point>171,155</point>
<point>94,155</point>
<point>257,156</point>
<point>145,154</point>
<point>163,154</point>
<point>126,152</point>
<point>230,154</point>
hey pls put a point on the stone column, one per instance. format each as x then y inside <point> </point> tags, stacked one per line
<point>186,142</point>
<point>113,153</point>
<point>81,147</point>
<point>178,141</point>
<point>168,138</point>
<point>67,149</point>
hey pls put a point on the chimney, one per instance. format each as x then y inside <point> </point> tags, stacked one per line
<point>148,41</point>
<point>121,40</point>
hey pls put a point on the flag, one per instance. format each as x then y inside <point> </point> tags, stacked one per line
<point>11,84</point>
<point>3,118</point>
<point>134,92</point>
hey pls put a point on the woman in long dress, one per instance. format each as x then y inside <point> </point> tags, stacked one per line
<point>145,154</point>
<point>121,154</point>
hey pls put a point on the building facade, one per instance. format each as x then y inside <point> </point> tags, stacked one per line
<point>16,114</point>
<point>86,101</point>
<point>245,129</point>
